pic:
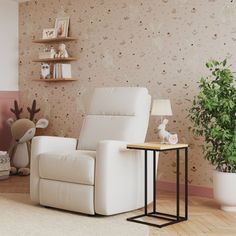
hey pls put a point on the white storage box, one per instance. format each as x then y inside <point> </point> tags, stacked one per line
<point>4,165</point>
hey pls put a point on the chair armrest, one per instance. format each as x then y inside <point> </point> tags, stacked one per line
<point>42,144</point>
<point>119,178</point>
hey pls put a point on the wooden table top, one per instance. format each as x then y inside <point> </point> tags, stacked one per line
<point>156,146</point>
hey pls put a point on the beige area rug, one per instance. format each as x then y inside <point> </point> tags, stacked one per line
<point>20,217</point>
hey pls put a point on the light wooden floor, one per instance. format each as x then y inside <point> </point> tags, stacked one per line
<point>15,184</point>
<point>205,217</point>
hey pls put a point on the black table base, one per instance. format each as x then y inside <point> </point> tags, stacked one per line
<point>173,219</point>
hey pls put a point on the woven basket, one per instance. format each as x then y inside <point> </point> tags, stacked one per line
<point>4,166</point>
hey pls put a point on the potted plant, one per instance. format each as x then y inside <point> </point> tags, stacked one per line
<point>213,114</point>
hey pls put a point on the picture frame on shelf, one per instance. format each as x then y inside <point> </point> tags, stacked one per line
<point>49,33</point>
<point>62,26</point>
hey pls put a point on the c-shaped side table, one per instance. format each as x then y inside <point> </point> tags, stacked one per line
<point>160,148</point>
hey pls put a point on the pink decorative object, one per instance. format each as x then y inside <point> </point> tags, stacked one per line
<point>173,139</point>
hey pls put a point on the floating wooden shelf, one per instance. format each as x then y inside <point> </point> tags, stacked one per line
<point>56,59</point>
<point>55,40</point>
<point>56,80</point>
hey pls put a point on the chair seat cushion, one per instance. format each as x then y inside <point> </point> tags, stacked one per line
<point>75,167</point>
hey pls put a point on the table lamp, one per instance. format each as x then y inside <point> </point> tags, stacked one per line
<point>162,107</point>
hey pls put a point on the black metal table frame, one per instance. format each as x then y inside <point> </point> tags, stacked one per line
<point>173,219</point>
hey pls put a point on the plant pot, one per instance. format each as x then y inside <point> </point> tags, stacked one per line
<point>225,190</point>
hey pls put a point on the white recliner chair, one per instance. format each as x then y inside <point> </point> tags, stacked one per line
<point>97,174</point>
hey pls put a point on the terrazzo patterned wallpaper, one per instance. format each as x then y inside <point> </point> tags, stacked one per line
<point>159,44</point>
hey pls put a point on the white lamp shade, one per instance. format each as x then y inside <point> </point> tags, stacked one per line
<point>161,107</point>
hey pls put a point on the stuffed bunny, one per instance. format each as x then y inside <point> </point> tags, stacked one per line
<point>165,136</point>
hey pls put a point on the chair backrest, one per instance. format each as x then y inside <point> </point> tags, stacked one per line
<point>119,113</point>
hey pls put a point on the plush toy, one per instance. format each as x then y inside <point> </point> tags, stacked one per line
<point>165,136</point>
<point>45,71</point>
<point>23,130</point>
<point>62,52</point>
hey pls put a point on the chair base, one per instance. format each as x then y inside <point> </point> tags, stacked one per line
<point>67,196</point>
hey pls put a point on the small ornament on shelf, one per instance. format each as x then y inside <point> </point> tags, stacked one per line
<point>62,52</point>
<point>47,53</point>
<point>53,52</point>
<point>45,71</point>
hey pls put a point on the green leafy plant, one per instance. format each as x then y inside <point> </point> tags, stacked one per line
<point>213,114</point>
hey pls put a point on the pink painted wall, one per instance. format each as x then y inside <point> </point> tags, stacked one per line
<point>6,101</point>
